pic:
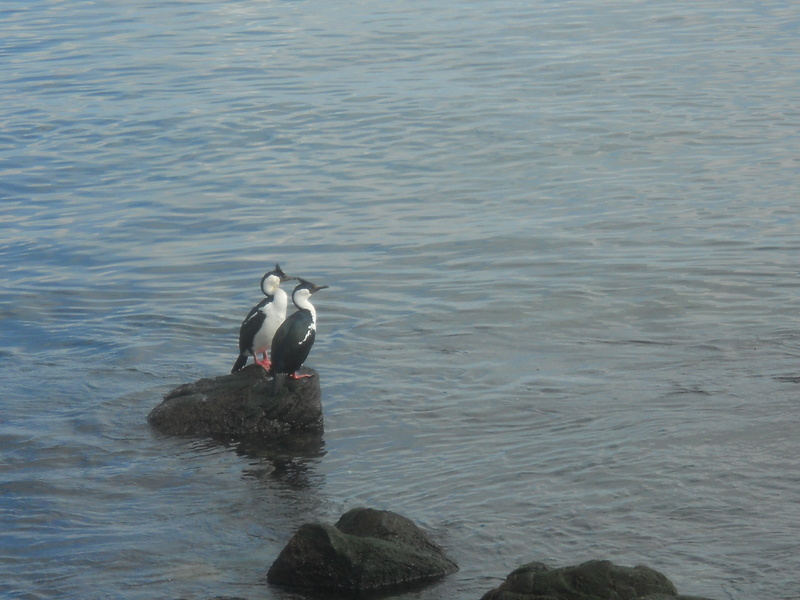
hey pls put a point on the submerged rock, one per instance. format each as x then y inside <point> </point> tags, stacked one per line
<point>593,580</point>
<point>366,550</point>
<point>242,404</point>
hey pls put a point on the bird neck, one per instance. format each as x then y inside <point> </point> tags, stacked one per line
<point>304,304</point>
<point>271,290</point>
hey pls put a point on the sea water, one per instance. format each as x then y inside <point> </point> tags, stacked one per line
<point>561,245</point>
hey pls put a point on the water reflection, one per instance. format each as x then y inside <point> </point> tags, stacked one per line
<point>291,462</point>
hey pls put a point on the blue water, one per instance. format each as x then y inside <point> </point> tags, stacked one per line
<point>561,245</point>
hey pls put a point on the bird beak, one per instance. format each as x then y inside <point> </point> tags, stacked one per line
<point>317,288</point>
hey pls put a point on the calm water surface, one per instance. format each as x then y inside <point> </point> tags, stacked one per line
<point>561,244</point>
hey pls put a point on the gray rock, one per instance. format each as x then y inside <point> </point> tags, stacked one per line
<point>366,550</point>
<point>241,404</point>
<point>593,580</point>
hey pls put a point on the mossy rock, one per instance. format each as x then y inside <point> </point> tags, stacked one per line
<point>247,403</point>
<point>366,550</point>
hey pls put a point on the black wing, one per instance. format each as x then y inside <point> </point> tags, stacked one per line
<point>292,343</point>
<point>250,326</point>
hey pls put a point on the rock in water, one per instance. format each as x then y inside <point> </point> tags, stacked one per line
<point>241,404</point>
<point>366,550</point>
<point>593,580</point>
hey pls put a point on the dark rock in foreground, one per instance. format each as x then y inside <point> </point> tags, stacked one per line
<point>241,404</point>
<point>593,580</point>
<point>366,550</point>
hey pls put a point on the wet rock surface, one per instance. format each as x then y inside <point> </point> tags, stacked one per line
<point>246,404</point>
<point>592,580</point>
<point>366,550</point>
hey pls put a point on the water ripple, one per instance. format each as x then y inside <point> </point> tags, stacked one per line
<point>560,241</point>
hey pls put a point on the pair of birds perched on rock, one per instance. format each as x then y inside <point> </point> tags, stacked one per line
<point>284,343</point>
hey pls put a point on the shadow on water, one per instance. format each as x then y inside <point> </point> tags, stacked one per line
<point>289,461</point>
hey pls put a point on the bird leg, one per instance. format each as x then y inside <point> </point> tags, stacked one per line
<point>296,376</point>
<point>264,362</point>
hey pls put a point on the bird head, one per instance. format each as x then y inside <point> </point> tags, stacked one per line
<point>273,279</point>
<point>304,289</point>
<point>278,272</point>
<point>307,285</point>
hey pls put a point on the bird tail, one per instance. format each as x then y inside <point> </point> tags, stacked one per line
<point>240,363</point>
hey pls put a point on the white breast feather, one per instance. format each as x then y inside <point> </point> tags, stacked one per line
<point>274,313</point>
<point>302,302</point>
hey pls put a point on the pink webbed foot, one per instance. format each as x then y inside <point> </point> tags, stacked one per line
<point>264,362</point>
<point>296,376</point>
